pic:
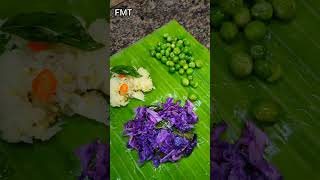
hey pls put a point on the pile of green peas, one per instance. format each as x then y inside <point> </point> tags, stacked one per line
<point>175,53</point>
<point>232,17</point>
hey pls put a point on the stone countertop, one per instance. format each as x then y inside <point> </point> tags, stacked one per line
<point>148,15</point>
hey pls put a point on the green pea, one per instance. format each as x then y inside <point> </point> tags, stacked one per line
<point>199,63</point>
<point>153,53</point>
<point>169,39</point>
<point>187,51</point>
<point>193,97</point>
<point>175,59</point>
<point>168,45</point>
<point>176,51</point>
<point>181,71</point>
<point>164,46</point>
<point>241,65</point>
<point>163,52</point>
<point>169,49</point>
<point>242,17</point>
<point>172,70</point>
<point>182,56</point>
<point>192,64</point>
<point>159,56</point>
<point>230,7</point>
<point>173,45</point>
<point>160,44</point>
<point>190,77</point>
<point>228,31</point>
<point>194,83</point>
<point>171,63</point>
<point>284,9</point>
<point>164,60</point>
<point>158,49</point>
<point>255,31</point>
<point>177,66</point>
<point>186,42</point>
<point>266,111</point>
<point>276,73</point>
<point>262,69</point>
<point>257,51</point>
<point>191,59</point>
<point>262,10</point>
<point>189,71</point>
<point>185,82</point>
<point>182,62</point>
<point>185,66</point>
<point>217,17</point>
<point>165,35</point>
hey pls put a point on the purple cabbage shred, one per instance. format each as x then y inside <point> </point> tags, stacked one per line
<point>162,133</point>
<point>243,160</point>
<point>94,159</point>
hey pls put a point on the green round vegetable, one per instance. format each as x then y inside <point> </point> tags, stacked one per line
<point>172,70</point>
<point>164,60</point>
<point>284,9</point>
<point>170,63</point>
<point>172,54</point>
<point>190,77</point>
<point>181,71</point>
<point>228,31</point>
<point>242,17</point>
<point>165,35</point>
<point>186,42</point>
<point>182,56</point>
<point>164,46</point>
<point>276,72</point>
<point>159,56</point>
<point>153,53</point>
<point>262,69</point>
<point>175,59</point>
<point>198,63</point>
<point>241,65</point>
<point>176,51</point>
<point>173,45</point>
<point>257,51</point>
<point>185,66</point>
<point>181,37</point>
<point>230,6</point>
<point>194,83</point>
<point>266,111</point>
<point>185,82</point>
<point>192,65</point>
<point>255,31</point>
<point>217,16</point>
<point>193,97</point>
<point>163,52</point>
<point>262,10</point>
<point>189,71</point>
<point>169,39</point>
<point>167,54</point>
<point>177,66</point>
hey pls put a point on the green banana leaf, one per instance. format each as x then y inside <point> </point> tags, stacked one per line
<point>54,159</point>
<point>296,46</point>
<point>124,163</point>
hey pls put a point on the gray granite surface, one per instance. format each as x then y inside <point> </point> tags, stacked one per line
<point>148,15</point>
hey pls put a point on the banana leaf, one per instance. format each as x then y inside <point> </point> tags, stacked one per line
<point>124,163</point>
<point>295,45</point>
<point>54,159</point>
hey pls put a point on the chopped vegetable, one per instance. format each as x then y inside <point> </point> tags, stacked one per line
<point>123,89</point>
<point>193,97</point>
<point>44,86</point>
<point>243,159</point>
<point>94,159</point>
<point>38,46</point>
<point>162,133</point>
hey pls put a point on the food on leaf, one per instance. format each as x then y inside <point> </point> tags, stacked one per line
<point>266,111</point>
<point>163,132</point>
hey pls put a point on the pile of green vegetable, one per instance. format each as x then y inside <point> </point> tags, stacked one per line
<point>249,18</point>
<point>175,52</point>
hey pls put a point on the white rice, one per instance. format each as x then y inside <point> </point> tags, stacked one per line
<point>76,72</point>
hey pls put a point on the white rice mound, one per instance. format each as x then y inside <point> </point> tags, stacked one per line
<point>136,87</point>
<point>82,78</point>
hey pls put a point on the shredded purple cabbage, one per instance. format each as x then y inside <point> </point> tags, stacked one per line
<point>94,159</point>
<point>242,160</point>
<point>162,133</point>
